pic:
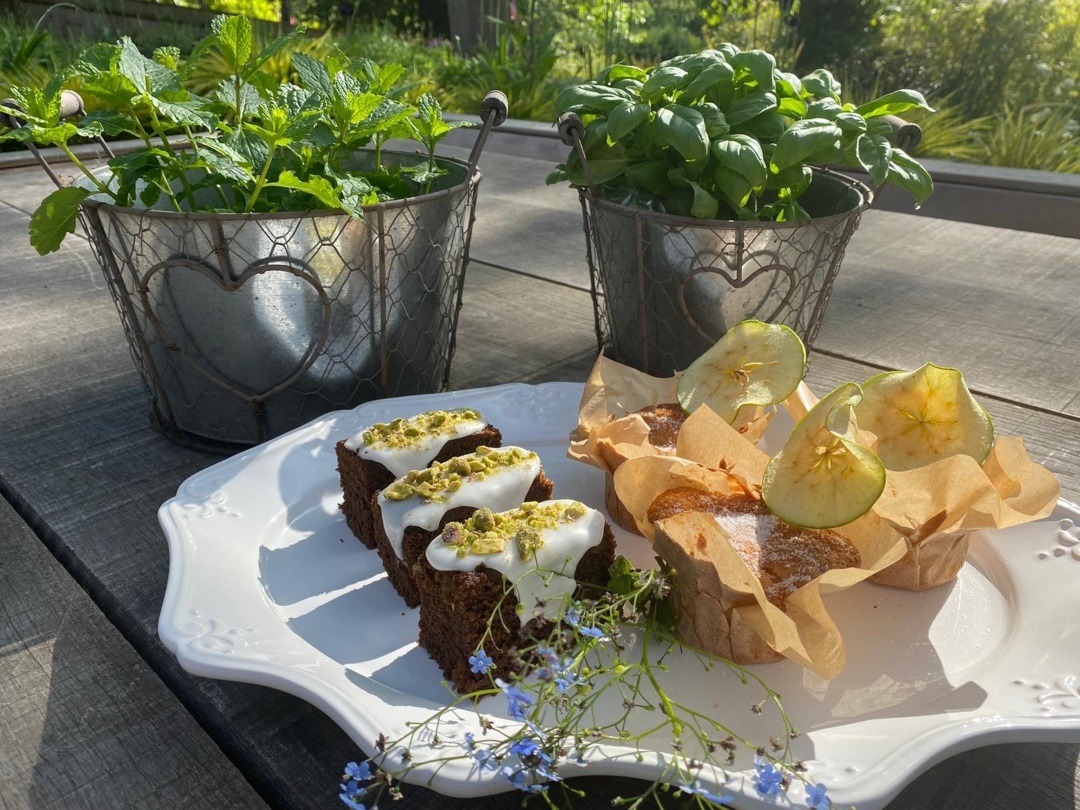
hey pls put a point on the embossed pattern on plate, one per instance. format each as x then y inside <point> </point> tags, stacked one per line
<point>267,585</point>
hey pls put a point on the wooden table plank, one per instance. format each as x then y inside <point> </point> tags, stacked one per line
<point>1006,312</point>
<point>84,722</point>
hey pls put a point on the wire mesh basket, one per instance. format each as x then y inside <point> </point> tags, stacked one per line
<point>244,326</point>
<point>666,288</point>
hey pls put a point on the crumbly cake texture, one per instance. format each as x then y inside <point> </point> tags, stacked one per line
<point>455,607</point>
<point>783,557</point>
<point>664,421</point>
<point>361,478</point>
<point>415,541</point>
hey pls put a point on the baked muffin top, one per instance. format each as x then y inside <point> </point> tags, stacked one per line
<point>783,557</point>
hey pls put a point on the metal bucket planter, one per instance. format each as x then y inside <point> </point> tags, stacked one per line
<point>244,326</point>
<point>666,288</point>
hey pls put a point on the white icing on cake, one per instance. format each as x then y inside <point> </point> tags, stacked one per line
<point>499,489</point>
<point>418,454</point>
<point>545,582</point>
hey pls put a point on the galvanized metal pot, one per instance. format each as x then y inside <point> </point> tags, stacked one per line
<point>244,326</point>
<point>666,288</point>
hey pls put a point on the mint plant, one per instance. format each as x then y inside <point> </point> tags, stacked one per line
<point>725,134</point>
<point>256,145</point>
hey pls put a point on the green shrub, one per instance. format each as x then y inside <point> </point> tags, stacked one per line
<point>984,54</point>
<point>1042,137</point>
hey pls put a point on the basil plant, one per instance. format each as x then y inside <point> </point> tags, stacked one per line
<point>724,134</point>
<point>257,144</point>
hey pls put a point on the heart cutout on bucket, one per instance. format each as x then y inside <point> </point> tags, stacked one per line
<point>253,336</point>
<point>713,299</point>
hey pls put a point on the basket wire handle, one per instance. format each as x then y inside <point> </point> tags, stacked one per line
<point>571,132</point>
<point>905,135</point>
<point>493,111</point>
<point>71,104</point>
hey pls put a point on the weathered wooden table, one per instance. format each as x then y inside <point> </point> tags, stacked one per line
<point>95,713</point>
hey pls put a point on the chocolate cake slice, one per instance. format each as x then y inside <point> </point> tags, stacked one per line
<point>414,509</point>
<point>539,556</point>
<point>374,457</point>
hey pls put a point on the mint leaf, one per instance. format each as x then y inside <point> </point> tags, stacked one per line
<point>313,74</point>
<point>235,40</point>
<point>55,218</point>
<point>318,187</point>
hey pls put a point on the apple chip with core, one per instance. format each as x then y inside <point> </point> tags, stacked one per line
<point>823,477</point>
<point>923,416</point>
<point>755,363</point>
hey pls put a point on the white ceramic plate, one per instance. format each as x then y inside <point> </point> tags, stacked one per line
<point>267,585</point>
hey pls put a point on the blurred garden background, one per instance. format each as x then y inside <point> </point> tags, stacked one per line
<point>1004,75</point>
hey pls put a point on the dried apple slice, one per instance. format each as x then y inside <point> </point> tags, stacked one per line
<point>924,415</point>
<point>755,363</point>
<point>823,477</point>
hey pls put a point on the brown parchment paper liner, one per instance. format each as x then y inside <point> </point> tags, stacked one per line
<point>609,433</point>
<point>720,603</point>
<point>936,508</point>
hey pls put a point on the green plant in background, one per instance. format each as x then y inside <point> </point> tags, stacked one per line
<point>28,54</point>
<point>522,65</point>
<point>258,144</point>
<point>984,54</point>
<point>948,135</point>
<point>1037,137</point>
<point>724,134</point>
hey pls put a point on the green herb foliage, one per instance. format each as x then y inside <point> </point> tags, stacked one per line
<point>725,134</point>
<point>257,143</point>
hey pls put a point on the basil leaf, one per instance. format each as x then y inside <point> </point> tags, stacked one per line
<point>663,80</point>
<point>850,122</point>
<point>767,127</point>
<point>712,75</point>
<point>705,205</point>
<point>716,125</point>
<point>749,107</point>
<point>742,155</point>
<point>625,117</point>
<point>734,186</point>
<point>651,174</point>
<point>805,140</point>
<point>892,103</point>
<point>822,84</point>
<point>792,106</point>
<point>590,98</point>
<point>788,84</point>
<point>612,74</point>
<point>755,69</point>
<point>827,108</point>
<point>910,176</point>
<point>55,218</point>
<point>874,154</point>
<point>683,129</point>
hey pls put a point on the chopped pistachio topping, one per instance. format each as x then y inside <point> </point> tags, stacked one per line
<point>434,482</point>
<point>409,432</point>
<point>488,532</point>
